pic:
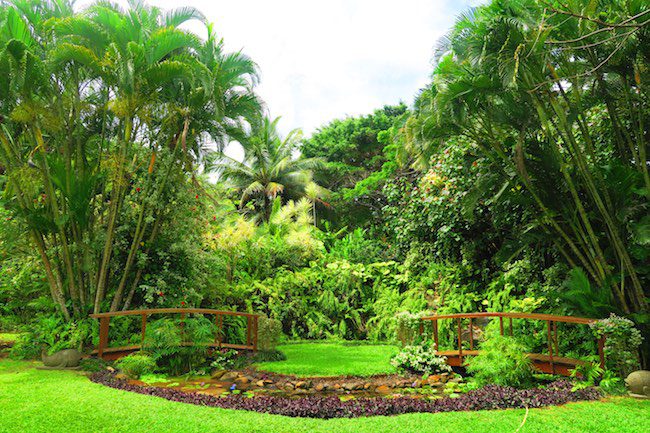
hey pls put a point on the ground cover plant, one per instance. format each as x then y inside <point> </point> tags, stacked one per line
<point>486,398</point>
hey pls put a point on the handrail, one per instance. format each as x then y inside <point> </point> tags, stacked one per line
<point>104,323</point>
<point>551,330</point>
<point>533,316</point>
<point>172,310</point>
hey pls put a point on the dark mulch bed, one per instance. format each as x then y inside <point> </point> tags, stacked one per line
<point>486,398</point>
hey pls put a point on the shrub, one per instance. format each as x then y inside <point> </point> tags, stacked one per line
<point>163,341</point>
<point>420,360</point>
<point>487,398</point>
<point>224,359</point>
<point>408,324</point>
<point>269,356</point>
<point>621,344</point>
<point>269,333</point>
<point>93,365</point>
<point>53,333</point>
<point>502,361</point>
<point>136,364</point>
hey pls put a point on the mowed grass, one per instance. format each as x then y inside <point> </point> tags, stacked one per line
<point>333,359</point>
<point>60,401</point>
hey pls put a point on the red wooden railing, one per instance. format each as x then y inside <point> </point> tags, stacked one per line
<point>111,353</point>
<point>552,363</point>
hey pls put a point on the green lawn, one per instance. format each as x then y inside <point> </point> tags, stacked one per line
<point>333,359</point>
<point>56,401</point>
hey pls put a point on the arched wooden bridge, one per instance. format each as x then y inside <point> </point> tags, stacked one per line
<point>550,362</point>
<point>112,353</point>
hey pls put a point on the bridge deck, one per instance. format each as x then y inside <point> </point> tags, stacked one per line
<point>541,362</point>
<point>551,363</point>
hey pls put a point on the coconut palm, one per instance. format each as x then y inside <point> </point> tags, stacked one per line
<point>269,168</point>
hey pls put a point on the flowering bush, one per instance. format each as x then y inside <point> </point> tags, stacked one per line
<point>224,359</point>
<point>621,344</point>
<point>487,398</point>
<point>420,359</point>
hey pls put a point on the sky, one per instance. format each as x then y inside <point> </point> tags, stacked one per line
<point>322,60</point>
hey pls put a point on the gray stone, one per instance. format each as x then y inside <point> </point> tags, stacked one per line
<point>218,374</point>
<point>68,358</point>
<point>229,376</point>
<point>638,383</point>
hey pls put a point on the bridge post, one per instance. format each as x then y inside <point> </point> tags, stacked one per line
<point>471,335</point>
<point>144,330</point>
<point>435,333</point>
<point>550,344</point>
<point>219,323</point>
<point>103,335</point>
<point>601,351</point>
<point>255,328</point>
<point>460,344</point>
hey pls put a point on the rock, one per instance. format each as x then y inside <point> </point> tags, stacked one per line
<point>260,383</point>
<point>303,384</point>
<point>348,386</point>
<point>382,389</point>
<point>218,374</point>
<point>456,380</point>
<point>434,378</point>
<point>111,369</point>
<point>367,386</point>
<point>121,376</point>
<point>436,384</point>
<point>288,386</point>
<point>229,376</point>
<point>242,380</point>
<point>67,358</point>
<point>320,387</point>
<point>300,392</point>
<point>638,383</point>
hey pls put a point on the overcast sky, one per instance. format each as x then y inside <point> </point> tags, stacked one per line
<point>322,60</point>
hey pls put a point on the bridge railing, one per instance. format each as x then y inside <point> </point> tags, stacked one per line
<point>105,352</point>
<point>550,363</point>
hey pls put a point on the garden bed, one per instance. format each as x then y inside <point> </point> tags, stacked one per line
<point>316,406</point>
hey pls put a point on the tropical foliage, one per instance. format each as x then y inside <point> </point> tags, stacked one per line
<point>517,181</point>
<point>105,115</point>
<point>269,169</point>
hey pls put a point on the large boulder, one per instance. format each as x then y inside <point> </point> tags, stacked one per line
<point>63,359</point>
<point>638,383</point>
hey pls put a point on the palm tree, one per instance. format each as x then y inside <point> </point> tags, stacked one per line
<point>269,168</point>
<point>88,99</point>
<point>503,62</point>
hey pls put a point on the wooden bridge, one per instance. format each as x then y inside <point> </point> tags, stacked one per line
<point>550,362</point>
<point>112,353</point>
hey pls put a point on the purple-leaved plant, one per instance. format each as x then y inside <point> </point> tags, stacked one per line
<point>486,398</point>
